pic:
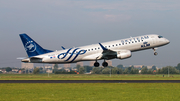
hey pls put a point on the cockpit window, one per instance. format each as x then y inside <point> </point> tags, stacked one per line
<point>160,36</point>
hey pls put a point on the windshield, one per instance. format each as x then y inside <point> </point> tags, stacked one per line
<point>160,36</point>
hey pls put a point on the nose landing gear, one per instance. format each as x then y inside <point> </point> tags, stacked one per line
<point>155,53</point>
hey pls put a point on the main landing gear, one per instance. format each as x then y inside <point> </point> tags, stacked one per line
<point>155,53</point>
<point>104,64</point>
<point>96,64</point>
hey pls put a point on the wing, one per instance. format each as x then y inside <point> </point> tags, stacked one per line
<point>111,54</point>
<point>107,53</point>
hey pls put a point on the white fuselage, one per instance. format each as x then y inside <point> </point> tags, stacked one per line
<point>95,52</point>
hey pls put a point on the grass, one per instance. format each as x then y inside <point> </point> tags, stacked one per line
<point>86,77</point>
<point>90,92</point>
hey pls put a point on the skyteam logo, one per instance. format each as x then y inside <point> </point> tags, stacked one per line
<point>145,44</point>
<point>30,46</point>
<point>71,53</point>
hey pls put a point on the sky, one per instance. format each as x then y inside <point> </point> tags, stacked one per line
<point>73,23</point>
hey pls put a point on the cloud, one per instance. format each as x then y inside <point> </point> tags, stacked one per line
<point>136,5</point>
<point>122,10</point>
<point>118,18</point>
<point>101,17</point>
<point>126,10</point>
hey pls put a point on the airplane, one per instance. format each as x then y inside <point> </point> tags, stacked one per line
<point>119,49</point>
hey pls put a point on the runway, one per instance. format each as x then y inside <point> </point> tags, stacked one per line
<point>89,81</point>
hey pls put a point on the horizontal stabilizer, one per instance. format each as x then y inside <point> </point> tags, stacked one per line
<point>63,48</point>
<point>21,58</point>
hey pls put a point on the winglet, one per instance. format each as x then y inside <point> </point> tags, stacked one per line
<point>63,48</point>
<point>104,48</point>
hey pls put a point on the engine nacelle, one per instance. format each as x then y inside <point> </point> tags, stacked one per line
<point>124,54</point>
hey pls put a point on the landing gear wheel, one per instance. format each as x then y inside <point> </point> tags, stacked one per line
<point>105,64</point>
<point>96,64</point>
<point>155,53</point>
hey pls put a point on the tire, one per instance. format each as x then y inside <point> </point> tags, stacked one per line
<point>105,64</point>
<point>96,64</point>
<point>155,53</point>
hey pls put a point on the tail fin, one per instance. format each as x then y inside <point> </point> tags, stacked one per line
<point>31,47</point>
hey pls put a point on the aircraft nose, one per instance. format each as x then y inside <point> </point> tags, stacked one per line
<point>167,41</point>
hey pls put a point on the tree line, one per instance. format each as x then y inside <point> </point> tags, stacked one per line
<point>130,70</point>
<point>120,69</point>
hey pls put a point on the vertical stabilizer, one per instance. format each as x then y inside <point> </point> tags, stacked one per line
<point>31,47</point>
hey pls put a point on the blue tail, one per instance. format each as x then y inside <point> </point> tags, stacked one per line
<point>31,47</point>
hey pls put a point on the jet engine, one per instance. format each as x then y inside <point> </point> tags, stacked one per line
<point>124,54</point>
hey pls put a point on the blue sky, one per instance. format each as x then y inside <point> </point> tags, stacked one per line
<point>69,23</point>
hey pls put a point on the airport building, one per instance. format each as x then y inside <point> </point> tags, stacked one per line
<point>80,63</point>
<point>109,62</point>
<point>92,63</point>
<point>27,65</point>
<point>138,66</point>
<point>67,65</point>
<point>149,67</point>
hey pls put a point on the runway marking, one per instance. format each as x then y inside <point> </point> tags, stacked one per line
<point>89,81</point>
